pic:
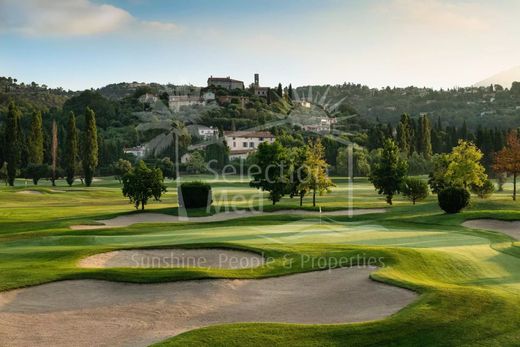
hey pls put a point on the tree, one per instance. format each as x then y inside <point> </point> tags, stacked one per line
<point>37,171</point>
<point>143,183</point>
<point>196,163</point>
<point>4,173</point>
<point>290,92</point>
<point>437,177</point>
<point>404,135</point>
<point>464,166</point>
<point>271,161</point>
<point>484,191</point>
<point>426,138</point>
<point>90,147</point>
<point>121,168</point>
<point>388,174</point>
<point>279,90</point>
<point>298,174</point>
<point>217,155</point>
<point>414,189</point>
<point>317,179</point>
<point>167,167</point>
<point>54,153</point>
<point>361,166</point>
<point>35,141</point>
<point>71,149</point>
<point>12,142</point>
<point>507,160</point>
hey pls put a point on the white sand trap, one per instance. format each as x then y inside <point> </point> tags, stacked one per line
<point>98,313</point>
<point>29,192</point>
<point>510,228</point>
<point>136,218</point>
<point>169,258</point>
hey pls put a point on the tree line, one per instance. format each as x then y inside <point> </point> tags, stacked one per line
<point>23,153</point>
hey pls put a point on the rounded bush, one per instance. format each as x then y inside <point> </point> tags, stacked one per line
<point>195,195</point>
<point>453,199</point>
<point>485,191</point>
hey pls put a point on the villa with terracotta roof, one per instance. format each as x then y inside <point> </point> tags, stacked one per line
<point>243,143</point>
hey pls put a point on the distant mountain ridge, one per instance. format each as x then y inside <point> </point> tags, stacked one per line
<point>504,78</point>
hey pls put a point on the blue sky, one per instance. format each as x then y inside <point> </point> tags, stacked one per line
<point>81,44</point>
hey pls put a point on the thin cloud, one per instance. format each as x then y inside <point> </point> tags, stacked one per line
<point>438,14</point>
<point>69,18</point>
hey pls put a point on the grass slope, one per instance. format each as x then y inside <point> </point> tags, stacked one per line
<point>469,279</point>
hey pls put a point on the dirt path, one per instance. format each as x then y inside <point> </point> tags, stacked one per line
<point>98,313</point>
<point>509,228</point>
<point>127,220</point>
<point>174,257</point>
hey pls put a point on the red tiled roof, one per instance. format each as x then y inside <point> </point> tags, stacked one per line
<point>248,134</point>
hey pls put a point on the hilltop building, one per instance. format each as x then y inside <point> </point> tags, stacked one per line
<point>243,143</point>
<point>259,91</point>
<point>225,82</point>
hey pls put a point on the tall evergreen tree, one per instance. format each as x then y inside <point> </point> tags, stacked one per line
<point>35,141</point>
<point>290,92</point>
<point>279,90</point>
<point>71,149</point>
<point>12,142</point>
<point>426,137</point>
<point>90,147</point>
<point>404,135</point>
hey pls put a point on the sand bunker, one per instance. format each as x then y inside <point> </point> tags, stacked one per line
<point>510,228</point>
<point>98,313</point>
<point>29,192</point>
<point>136,218</point>
<point>169,258</point>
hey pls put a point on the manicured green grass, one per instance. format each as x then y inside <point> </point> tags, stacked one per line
<point>469,279</point>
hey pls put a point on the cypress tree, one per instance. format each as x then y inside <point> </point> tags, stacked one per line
<point>279,90</point>
<point>426,137</point>
<point>90,147</point>
<point>71,148</point>
<point>35,141</point>
<point>404,135</point>
<point>290,92</point>
<point>12,142</point>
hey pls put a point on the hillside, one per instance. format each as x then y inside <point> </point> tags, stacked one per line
<point>485,106</point>
<point>504,78</point>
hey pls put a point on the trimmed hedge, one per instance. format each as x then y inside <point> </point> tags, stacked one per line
<point>195,195</point>
<point>453,199</point>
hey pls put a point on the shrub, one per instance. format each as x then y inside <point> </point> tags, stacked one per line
<point>485,191</point>
<point>195,195</point>
<point>453,199</point>
<point>415,189</point>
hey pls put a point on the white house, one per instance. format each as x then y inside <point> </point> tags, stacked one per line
<point>242,143</point>
<point>139,151</point>
<point>203,131</point>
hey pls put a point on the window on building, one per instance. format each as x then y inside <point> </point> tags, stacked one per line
<point>234,144</point>
<point>245,144</point>
<point>261,138</point>
<point>252,144</point>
